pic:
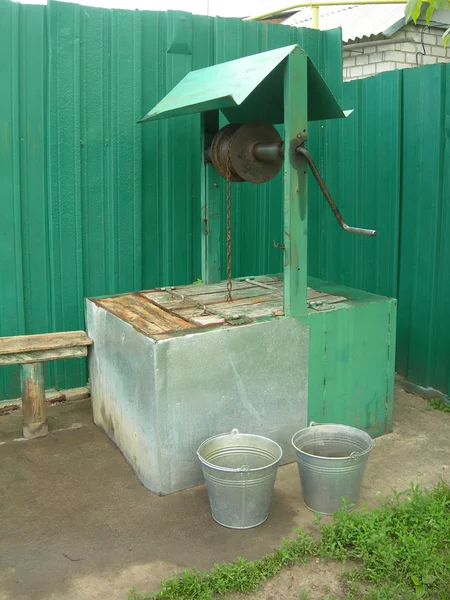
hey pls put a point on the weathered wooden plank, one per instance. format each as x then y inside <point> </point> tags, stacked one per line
<point>42,342</point>
<point>192,306</point>
<point>38,356</point>
<point>260,307</point>
<point>140,320</point>
<point>217,306</point>
<point>269,279</point>
<point>313,294</point>
<point>144,315</point>
<point>251,311</point>
<point>191,311</point>
<point>196,315</point>
<point>177,305</point>
<point>252,292</point>
<point>168,301</point>
<point>208,288</point>
<point>196,293</point>
<point>263,310</point>
<point>264,284</point>
<point>207,320</point>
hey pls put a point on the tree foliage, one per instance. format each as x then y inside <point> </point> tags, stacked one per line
<point>414,7</point>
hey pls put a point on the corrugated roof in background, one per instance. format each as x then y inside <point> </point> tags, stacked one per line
<point>357,21</point>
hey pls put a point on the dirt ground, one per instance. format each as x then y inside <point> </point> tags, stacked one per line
<point>317,580</point>
<point>77,524</point>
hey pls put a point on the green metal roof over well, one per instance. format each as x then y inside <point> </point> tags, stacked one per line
<point>246,89</point>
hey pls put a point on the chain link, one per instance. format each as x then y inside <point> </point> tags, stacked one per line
<point>229,254</point>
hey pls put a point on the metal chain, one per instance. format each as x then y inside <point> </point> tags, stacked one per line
<point>229,255</point>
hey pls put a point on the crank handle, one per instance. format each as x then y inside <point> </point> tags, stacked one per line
<point>302,151</point>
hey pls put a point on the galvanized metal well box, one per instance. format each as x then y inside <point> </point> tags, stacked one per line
<point>168,369</point>
<point>161,384</point>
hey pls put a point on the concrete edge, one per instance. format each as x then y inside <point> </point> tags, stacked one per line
<point>424,392</point>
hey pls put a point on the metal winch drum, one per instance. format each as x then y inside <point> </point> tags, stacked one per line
<point>254,152</point>
<point>240,471</point>
<point>331,461</point>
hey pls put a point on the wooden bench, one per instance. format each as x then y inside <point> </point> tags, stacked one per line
<point>30,352</point>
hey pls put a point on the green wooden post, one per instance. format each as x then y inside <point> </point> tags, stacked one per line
<point>211,206</point>
<point>295,185</point>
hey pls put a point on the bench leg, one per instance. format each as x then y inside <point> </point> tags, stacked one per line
<point>33,400</point>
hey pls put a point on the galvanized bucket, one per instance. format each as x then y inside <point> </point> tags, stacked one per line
<point>331,461</point>
<point>240,471</point>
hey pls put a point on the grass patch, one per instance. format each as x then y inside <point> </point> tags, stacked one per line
<point>238,576</point>
<point>438,404</point>
<point>403,549</point>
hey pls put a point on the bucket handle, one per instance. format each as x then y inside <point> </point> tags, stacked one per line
<point>245,468</point>
<point>352,456</point>
<point>355,455</point>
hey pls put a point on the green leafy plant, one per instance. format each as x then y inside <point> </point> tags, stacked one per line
<point>400,546</point>
<point>414,7</point>
<point>402,551</point>
<point>439,404</point>
<point>238,576</point>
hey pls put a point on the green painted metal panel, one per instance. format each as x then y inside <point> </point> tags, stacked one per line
<point>351,361</point>
<point>295,188</point>
<point>424,283</point>
<point>92,203</point>
<point>221,86</point>
<point>386,166</point>
<point>248,88</point>
<point>24,264</point>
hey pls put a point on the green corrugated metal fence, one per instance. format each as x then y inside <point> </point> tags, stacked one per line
<point>362,163</point>
<point>424,282</point>
<point>390,169</point>
<point>93,204</point>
